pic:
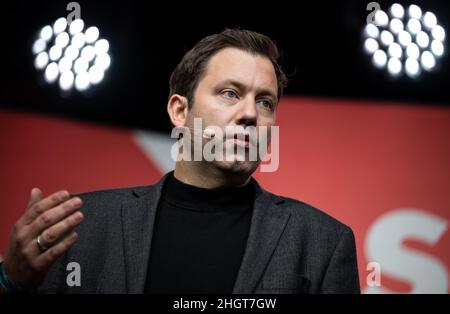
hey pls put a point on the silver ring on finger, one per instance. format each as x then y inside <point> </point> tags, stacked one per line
<point>42,247</point>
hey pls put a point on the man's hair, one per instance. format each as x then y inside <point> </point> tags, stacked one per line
<point>186,76</point>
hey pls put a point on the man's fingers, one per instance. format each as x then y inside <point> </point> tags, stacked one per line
<point>39,207</point>
<point>36,195</point>
<point>56,232</point>
<point>54,215</point>
<point>46,259</point>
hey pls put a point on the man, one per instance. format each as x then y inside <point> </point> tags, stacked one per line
<point>207,227</point>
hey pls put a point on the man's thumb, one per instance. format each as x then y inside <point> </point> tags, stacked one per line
<point>36,195</point>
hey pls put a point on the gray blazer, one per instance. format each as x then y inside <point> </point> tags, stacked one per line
<point>292,247</point>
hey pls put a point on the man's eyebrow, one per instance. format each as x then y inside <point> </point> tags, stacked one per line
<point>241,86</point>
<point>234,83</point>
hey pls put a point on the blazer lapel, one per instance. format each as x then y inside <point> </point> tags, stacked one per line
<point>266,227</point>
<point>138,217</point>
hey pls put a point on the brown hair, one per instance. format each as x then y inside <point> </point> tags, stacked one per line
<point>188,73</point>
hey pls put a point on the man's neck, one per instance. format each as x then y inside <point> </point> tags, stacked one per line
<point>197,174</point>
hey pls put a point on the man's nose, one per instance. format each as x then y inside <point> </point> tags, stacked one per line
<point>247,113</point>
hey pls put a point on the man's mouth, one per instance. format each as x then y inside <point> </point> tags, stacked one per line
<point>242,139</point>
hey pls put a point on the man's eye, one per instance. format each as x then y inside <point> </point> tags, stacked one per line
<point>229,94</point>
<point>266,104</point>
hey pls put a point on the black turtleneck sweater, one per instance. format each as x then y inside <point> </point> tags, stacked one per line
<point>199,238</point>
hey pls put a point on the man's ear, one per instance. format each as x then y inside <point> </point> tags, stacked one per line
<point>177,108</point>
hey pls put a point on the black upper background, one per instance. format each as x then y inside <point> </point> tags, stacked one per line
<point>321,43</point>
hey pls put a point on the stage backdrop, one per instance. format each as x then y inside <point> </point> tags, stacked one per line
<point>383,169</point>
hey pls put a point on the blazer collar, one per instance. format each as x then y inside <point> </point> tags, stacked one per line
<point>138,216</point>
<point>267,224</point>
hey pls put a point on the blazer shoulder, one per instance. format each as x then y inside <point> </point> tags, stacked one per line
<point>103,203</point>
<point>313,216</point>
<point>118,194</point>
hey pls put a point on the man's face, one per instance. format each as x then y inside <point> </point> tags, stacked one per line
<point>237,89</point>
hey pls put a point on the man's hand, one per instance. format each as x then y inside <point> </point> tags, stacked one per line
<point>51,220</point>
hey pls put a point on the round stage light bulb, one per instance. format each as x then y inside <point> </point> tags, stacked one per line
<point>78,40</point>
<point>396,26</point>
<point>397,11</point>
<point>371,45</point>
<point>41,60</point>
<point>413,51</point>
<point>46,33</point>
<point>437,48</point>
<point>427,60</point>
<point>76,26</point>
<point>65,64</point>
<point>59,25</point>
<point>103,61</point>
<point>81,65</point>
<point>51,72</point>
<point>82,81</point>
<point>412,67</point>
<point>379,58</point>
<point>55,53</point>
<point>422,40</point>
<point>414,26</point>
<point>66,80</point>
<point>96,74</point>
<point>62,40</point>
<point>381,18</point>
<point>404,38</point>
<point>88,53</point>
<point>387,38</point>
<point>371,30</point>
<point>71,52</point>
<point>395,51</point>
<point>438,33</point>
<point>394,66</point>
<point>415,11</point>
<point>39,45</point>
<point>429,20</point>
<point>92,34</point>
<point>101,46</point>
